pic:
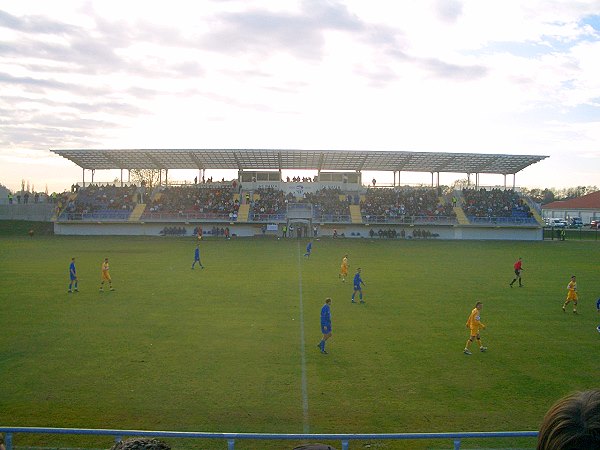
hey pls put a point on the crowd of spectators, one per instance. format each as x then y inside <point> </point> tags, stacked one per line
<point>398,203</point>
<point>268,202</point>
<point>195,200</point>
<point>102,199</point>
<point>329,203</point>
<point>494,203</point>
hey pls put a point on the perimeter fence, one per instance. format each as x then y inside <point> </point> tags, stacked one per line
<point>231,438</point>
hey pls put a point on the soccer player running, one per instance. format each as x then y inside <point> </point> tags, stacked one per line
<point>308,249</point>
<point>325,324</point>
<point>474,325</point>
<point>106,276</point>
<point>197,258</point>
<point>344,269</point>
<point>518,268</point>
<point>358,283</point>
<point>72,276</point>
<point>571,295</point>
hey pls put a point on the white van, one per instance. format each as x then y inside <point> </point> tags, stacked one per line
<point>556,222</point>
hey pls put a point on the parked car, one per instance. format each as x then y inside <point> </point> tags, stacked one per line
<point>576,222</point>
<point>556,222</point>
<point>595,224</point>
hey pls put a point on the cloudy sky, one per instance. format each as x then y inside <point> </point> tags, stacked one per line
<point>483,76</point>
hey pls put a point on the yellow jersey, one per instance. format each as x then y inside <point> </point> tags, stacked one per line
<point>474,320</point>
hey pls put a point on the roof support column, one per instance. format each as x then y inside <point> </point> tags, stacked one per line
<point>514,180</point>
<point>121,177</point>
<point>83,177</point>
<point>432,179</point>
<point>93,172</point>
<point>166,177</point>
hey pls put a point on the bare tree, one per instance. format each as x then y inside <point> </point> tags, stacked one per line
<point>145,177</point>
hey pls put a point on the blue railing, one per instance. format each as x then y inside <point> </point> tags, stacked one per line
<point>232,437</point>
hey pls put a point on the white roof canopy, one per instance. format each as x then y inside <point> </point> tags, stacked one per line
<point>273,159</point>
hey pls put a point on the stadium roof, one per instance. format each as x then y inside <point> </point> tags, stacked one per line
<point>272,159</point>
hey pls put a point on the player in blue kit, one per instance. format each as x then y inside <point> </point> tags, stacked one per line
<point>72,276</point>
<point>357,286</point>
<point>325,324</point>
<point>197,257</point>
<point>308,249</point>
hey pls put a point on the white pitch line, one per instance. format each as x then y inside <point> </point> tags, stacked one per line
<point>305,422</point>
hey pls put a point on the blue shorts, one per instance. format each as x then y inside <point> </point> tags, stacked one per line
<point>357,287</point>
<point>73,277</point>
<point>326,329</point>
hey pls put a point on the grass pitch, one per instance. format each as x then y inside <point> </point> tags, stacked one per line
<point>221,349</point>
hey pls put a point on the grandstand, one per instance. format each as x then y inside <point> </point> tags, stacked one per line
<point>336,198</point>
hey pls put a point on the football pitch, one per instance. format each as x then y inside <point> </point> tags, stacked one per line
<point>233,347</point>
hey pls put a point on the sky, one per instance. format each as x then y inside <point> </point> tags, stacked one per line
<point>476,76</point>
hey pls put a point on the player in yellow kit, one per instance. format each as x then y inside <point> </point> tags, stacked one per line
<point>344,268</point>
<point>571,295</point>
<point>474,325</point>
<point>106,276</point>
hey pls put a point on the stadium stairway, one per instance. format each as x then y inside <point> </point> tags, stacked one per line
<point>72,196</point>
<point>536,215</point>
<point>355,214</point>
<point>461,217</point>
<point>243,213</point>
<point>137,212</point>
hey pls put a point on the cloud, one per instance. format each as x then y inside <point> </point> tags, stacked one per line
<point>448,10</point>
<point>456,72</point>
<point>33,24</point>
<point>263,31</point>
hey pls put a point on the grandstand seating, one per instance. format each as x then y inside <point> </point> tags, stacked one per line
<point>406,205</point>
<point>330,205</point>
<point>496,206</point>
<point>268,205</point>
<point>381,205</point>
<point>100,203</point>
<point>192,202</point>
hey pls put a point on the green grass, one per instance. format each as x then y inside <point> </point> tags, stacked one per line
<point>219,349</point>
<point>22,228</point>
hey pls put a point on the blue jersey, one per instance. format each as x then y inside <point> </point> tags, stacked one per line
<point>197,254</point>
<point>357,280</point>
<point>325,315</point>
<point>309,247</point>
<point>72,272</point>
